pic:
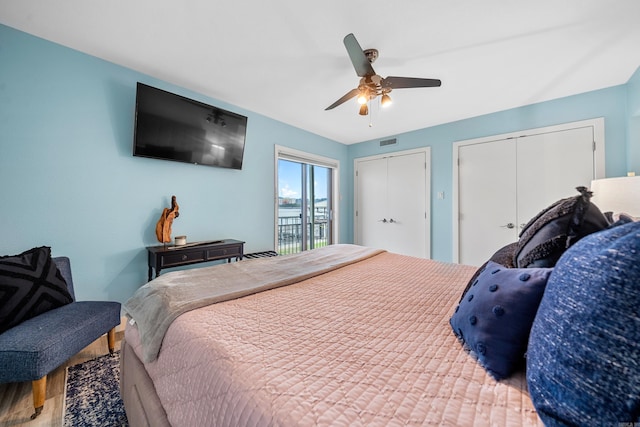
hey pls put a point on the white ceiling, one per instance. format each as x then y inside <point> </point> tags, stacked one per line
<point>285,58</point>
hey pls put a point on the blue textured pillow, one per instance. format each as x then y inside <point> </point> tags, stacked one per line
<point>583,360</point>
<point>494,318</point>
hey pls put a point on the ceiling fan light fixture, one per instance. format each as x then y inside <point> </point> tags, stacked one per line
<point>372,85</point>
<point>385,101</point>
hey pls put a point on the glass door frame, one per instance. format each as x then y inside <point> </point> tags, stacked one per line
<point>290,154</point>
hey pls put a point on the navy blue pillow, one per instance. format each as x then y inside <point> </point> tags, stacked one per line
<point>503,256</point>
<point>583,360</point>
<point>494,318</point>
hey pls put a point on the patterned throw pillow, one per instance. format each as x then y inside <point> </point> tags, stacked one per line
<point>547,235</point>
<point>583,359</point>
<point>30,284</point>
<point>494,318</point>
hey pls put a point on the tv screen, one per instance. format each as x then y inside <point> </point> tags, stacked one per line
<point>172,127</point>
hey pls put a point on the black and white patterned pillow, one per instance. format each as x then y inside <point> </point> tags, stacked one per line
<point>30,284</point>
<point>545,238</point>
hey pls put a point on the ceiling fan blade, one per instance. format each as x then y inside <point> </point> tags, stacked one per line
<point>351,94</point>
<point>408,82</point>
<point>358,59</point>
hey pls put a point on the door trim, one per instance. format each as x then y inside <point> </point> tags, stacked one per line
<point>427,152</point>
<point>599,160</point>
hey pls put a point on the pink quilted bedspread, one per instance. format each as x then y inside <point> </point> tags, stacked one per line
<point>367,344</point>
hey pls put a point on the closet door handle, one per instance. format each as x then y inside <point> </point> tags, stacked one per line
<point>510,225</point>
<point>383,220</point>
<point>391,220</point>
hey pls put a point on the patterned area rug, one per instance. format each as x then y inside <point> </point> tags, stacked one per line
<point>92,393</point>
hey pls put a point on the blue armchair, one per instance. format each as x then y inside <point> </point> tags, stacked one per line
<point>35,347</point>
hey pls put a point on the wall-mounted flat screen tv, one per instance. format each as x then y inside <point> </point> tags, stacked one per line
<point>171,127</point>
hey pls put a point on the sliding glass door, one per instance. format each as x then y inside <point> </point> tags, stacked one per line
<point>304,217</point>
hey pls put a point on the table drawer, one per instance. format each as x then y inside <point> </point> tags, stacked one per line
<point>229,251</point>
<point>179,259</point>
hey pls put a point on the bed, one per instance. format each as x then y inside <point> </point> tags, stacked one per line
<point>362,339</point>
<point>547,331</point>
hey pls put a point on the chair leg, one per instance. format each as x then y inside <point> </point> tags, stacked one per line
<point>111,340</point>
<point>39,389</point>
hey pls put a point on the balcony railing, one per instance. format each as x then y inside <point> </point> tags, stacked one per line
<point>290,233</point>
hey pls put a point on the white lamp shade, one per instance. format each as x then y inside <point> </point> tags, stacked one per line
<point>617,195</point>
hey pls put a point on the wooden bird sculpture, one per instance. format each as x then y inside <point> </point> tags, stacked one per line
<point>163,227</point>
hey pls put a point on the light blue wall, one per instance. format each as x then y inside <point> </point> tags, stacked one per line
<point>69,179</point>
<point>608,103</point>
<point>633,129</point>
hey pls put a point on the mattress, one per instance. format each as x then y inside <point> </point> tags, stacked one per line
<point>365,344</point>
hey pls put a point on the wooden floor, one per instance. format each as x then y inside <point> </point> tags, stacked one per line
<point>16,401</point>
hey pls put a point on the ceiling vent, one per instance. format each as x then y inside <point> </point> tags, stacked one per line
<point>391,141</point>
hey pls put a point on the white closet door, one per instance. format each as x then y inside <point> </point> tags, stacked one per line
<point>487,199</point>
<point>504,183</point>
<point>372,203</point>
<point>550,167</point>
<point>392,203</point>
<point>406,205</point>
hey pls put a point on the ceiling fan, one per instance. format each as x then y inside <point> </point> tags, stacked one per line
<point>372,85</point>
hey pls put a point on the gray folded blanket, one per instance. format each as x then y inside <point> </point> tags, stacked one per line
<point>157,304</point>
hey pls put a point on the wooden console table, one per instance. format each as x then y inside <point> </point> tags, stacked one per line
<point>165,256</point>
